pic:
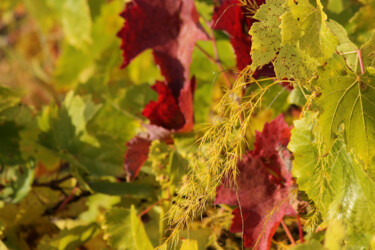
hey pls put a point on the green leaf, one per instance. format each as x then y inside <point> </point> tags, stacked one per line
<point>61,138</point>
<point>70,238</point>
<point>309,245</point>
<point>75,65</point>
<point>8,99</point>
<point>143,69</point>
<point>368,52</point>
<point>335,6</point>
<point>42,12</point>
<point>335,235</point>
<point>9,145</point>
<point>177,167</point>
<point>293,64</point>
<point>207,73</point>
<point>123,188</point>
<point>77,23</point>
<point>81,110</point>
<point>265,34</point>
<point>136,98</point>
<point>118,124</point>
<point>275,98</point>
<point>345,47</point>
<point>363,22</point>
<point>310,29</point>
<point>336,183</point>
<point>296,97</point>
<point>293,34</point>
<point>347,98</point>
<point>16,181</point>
<point>125,230</point>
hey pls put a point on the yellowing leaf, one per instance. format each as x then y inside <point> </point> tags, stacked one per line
<point>368,52</point>
<point>335,236</point>
<point>314,37</point>
<point>293,64</point>
<point>336,183</point>
<point>345,47</point>
<point>347,98</point>
<point>125,230</point>
<point>77,23</point>
<point>265,34</point>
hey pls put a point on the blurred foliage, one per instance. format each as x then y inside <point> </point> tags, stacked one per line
<point>67,110</point>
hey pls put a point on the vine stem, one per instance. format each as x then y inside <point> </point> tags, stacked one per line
<point>290,237</point>
<point>300,229</point>
<point>150,207</point>
<point>66,201</point>
<point>359,53</point>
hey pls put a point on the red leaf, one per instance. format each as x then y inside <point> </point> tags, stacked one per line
<point>165,112</point>
<point>230,18</point>
<point>170,28</point>
<point>135,156</point>
<point>233,19</point>
<point>262,187</point>
<point>270,146</point>
<point>186,103</point>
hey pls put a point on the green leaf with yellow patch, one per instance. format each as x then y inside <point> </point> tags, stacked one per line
<point>265,34</point>
<point>335,182</point>
<point>346,98</point>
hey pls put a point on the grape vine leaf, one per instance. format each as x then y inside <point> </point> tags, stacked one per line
<point>81,110</point>
<point>347,98</point>
<point>336,182</point>
<point>171,34</point>
<point>345,46</point>
<point>125,229</point>
<point>307,25</point>
<point>16,181</point>
<point>74,65</point>
<point>265,34</point>
<point>368,52</point>
<point>229,16</point>
<point>294,64</point>
<point>166,117</point>
<point>311,244</point>
<point>282,36</point>
<point>164,112</point>
<point>138,190</point>
<point>77,23</point>
<point>71,238</point>
<point>135,156</point>
<point>363,21</point>
<point>263,186</point>
<point>170,28</point>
